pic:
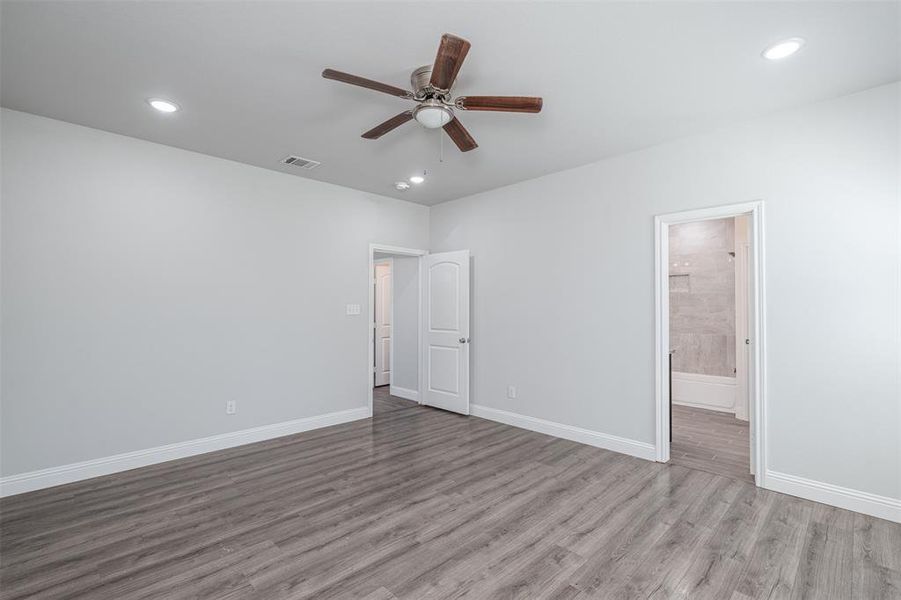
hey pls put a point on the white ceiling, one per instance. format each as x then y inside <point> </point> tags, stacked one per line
<point>615,77</point>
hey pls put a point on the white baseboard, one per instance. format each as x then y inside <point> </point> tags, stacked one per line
<point>712,392</point>
<point>404,393</point>
<point>862,502</point>
<point>705,407</point>
<point>36,480</point>
<point>568,432</point>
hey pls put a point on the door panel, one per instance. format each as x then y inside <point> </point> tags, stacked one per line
<point>444,308</point>
<point>741,333</point>
<point>383,323</point>
<point>751,358</point>
<point>444,366</point>
<point>446,332</point>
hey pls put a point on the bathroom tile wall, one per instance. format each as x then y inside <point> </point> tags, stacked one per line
<point>702,297</point>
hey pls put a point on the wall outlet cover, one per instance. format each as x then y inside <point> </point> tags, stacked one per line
<point>231,407</point>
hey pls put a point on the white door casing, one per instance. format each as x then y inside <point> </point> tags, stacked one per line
<point>382,324</point>
<point>756,349</point>
<point>445,313</point>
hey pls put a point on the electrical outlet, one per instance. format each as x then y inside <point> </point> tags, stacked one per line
<point>231,407</point>
<point>511,392</point>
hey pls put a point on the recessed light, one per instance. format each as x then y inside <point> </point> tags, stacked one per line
<point>783,49</point>
<point>164,106</point>
<point>417,179</point>
<point>402,185</point>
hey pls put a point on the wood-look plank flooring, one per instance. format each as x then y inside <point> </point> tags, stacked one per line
<point>418,503</point>
<point>711,441</point>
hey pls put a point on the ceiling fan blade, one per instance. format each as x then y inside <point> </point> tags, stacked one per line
<point>392,123</point>
<point>527,104</point>
<point>451,53</point>
<point>366,83</point>
<point>461,137</point>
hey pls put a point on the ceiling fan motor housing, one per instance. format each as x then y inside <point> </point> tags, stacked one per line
<point>419,81</point>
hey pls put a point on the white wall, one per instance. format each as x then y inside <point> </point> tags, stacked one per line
<point>405,370</point>
<point>143,286</point>
<point>563,270</point>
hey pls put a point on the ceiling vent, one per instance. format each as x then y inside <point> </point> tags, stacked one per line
<point>303,163</point>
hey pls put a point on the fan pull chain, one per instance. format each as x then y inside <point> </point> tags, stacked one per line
<point>440,146</point>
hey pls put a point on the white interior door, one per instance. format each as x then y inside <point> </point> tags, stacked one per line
<point>751,357</point>
<point>445,332</point>
<point>382,323</point>
<point>742,297</point>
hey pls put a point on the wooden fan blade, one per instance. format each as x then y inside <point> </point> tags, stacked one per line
<point>526,104</point>
<point>392,123</point>
<point>461,137</point>
<point>451,53</point>
<point>366,83</point>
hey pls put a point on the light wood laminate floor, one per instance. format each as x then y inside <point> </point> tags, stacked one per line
<point>712,441</point>
<point>418,503</point>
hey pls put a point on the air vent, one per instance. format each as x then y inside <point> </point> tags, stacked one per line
<point>303,163</point>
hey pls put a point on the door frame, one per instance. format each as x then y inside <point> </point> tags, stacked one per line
<point>756,309</point>
<point>370,315</point>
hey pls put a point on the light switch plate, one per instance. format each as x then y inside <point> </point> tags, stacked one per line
<point>353,309</point>
<point>511,392</point>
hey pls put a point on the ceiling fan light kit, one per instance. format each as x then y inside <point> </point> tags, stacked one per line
<point>432,92</point>
<point>432,114</point>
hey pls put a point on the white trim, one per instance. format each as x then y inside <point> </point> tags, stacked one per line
<point>757,308</point>
<point>711,392</point>
<point>36,480</point>
<point>370,312</point>
<point>834,495</point>
<point>757,391</point>
<point>404,393</point>
<point>661,337</point>
<point>567,432</point>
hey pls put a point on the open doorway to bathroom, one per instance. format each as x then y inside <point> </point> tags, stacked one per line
<point>710,412</point>
<point>708,306</point>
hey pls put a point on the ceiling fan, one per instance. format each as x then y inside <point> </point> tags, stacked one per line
<point>432,91</point>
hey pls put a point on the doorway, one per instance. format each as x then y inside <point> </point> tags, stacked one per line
<point>419,331</point>
<point>394,326</point>
<point>709,324</point>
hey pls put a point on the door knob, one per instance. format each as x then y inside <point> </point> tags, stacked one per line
<point>464,340</point>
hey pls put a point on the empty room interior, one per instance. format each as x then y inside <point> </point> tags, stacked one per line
<point>289,309</point>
